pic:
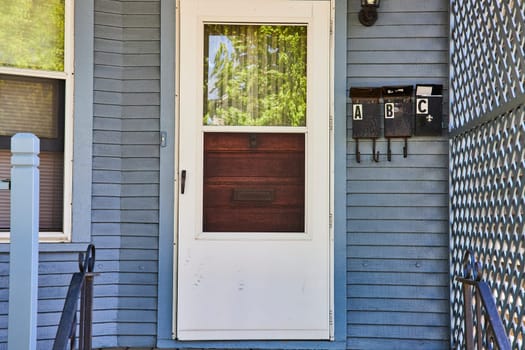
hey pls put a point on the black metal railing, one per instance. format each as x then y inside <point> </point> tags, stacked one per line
<point>80,287</point>
<point>489,334</point>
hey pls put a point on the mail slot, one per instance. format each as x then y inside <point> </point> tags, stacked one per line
<point>399,112</point>
<point>257,195</point>
<point>366,112</point>
<point>429,110</point>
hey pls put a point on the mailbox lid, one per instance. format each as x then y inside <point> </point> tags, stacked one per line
<point>399,111</point>
<point>366,112</point>
<point>365,93</point>
<point>429,110</point>
<point>397,92</point>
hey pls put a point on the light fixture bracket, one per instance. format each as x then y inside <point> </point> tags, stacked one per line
<point>368,13</point>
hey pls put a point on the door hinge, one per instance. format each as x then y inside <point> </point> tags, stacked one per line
<point>163,136</point>
<point>331,321</point>
<point>331,123</point>
<point>331,220</point>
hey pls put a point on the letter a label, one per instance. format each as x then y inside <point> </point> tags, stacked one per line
<point>357,112</point>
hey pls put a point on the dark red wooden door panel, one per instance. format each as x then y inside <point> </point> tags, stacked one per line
<point>254,182</point>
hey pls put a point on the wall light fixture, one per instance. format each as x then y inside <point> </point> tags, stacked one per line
<point>368,13</point>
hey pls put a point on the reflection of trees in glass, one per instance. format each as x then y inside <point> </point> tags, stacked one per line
<point>32,34</point>
<point>255,75</point>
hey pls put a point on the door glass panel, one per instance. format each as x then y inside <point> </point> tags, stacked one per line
<point>254,182</point>
<point>254,75</point>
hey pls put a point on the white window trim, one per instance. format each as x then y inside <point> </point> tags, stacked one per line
<point>68,76</point>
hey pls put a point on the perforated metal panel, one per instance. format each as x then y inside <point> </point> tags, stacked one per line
<point>487,155</point>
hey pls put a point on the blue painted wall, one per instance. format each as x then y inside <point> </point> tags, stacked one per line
<point>397,211</point>
<point>391,217</point>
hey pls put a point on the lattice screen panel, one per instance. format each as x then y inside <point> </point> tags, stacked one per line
<point>487,56</point>
<point>487,216</point>
<point>487,154</point>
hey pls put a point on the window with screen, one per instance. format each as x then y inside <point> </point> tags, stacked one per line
<point>35,78</point>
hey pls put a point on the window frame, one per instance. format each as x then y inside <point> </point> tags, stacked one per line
<point>67,75</point>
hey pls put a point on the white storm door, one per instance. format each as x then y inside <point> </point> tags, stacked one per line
<point>254,170</point>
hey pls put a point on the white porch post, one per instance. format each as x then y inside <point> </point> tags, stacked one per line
<point>23,259</point>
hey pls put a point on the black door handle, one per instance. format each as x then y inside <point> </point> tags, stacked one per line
<point>182,181</point>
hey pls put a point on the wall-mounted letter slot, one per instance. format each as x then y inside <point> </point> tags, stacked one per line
<point>429,110</point>
<point>398,114</point>
<point>366,118</point>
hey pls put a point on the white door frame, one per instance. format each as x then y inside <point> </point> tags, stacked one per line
<point>330,162</point>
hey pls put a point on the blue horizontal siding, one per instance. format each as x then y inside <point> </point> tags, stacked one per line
<point>397,211</point>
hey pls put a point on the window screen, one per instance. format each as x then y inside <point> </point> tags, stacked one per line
<point>34,105</point>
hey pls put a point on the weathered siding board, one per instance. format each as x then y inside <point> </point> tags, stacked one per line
<point>426,239</point>
<point>407,251</point>
<point>400,226</point>
<point>397,278</point>
<point>135,111</point>
<point>141,137</point>
<point>142,7</point>
<point>378,199</point>
<point>140,90</point>
<point>108,6</point>
<point>141,34</point>
<point>140,86</point>
<point>406,344</point>
<point>409,305</point>
<point>399,57</point>
<point>399,43</point>
<point>126,164</point>
<point>403,30</point>
<point>141,176</point>
<point>107,165</point>
<point>397,211</point>
<point>125,170</point>
<point>420,71</point>
<point>394,187</point>
<point>147,123</point>
<point>416,174</point>
<point>140,21</point>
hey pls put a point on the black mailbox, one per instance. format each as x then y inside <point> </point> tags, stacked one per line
<point>398,111</point>
<point>366,112</point>
<point>366,116</point>
<point>398,114</point>
<point>429,110</point>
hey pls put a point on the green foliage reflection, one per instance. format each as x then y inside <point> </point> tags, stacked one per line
<point>32,34</point>
<point>255,75</point>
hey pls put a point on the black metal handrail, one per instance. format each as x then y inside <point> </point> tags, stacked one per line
<point>495,336</point>
<point>81,286</point>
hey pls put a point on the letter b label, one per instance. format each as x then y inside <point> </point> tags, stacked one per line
<point>389,110</point>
